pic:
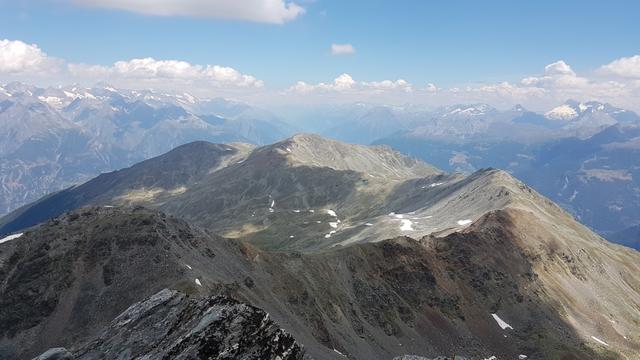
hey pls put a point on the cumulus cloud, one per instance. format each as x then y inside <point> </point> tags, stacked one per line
<point>17,57</point>
<point>266,11</point>
<point>559,68</point>
<point>628,67</point>
<point>560,82</point>
<point>149,69</point>
<point>346,84</point>
<point>25,62</point>
<point>617,82</point>
<point>556,83</point>
<point>342,49</point>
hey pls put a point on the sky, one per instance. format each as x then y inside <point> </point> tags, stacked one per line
<point>537,53</point>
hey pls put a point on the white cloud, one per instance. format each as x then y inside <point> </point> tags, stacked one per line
<point>628,67</point>
<point>23,62</point>
<point>559,68</point>
<point>617,82</point>
<point>149,69</point>
<point>388,85</point>
<point>345,83</point>
<point>556,83</point>
<point>17,57</point>
<point>267,11</point>
<point>342,49</point>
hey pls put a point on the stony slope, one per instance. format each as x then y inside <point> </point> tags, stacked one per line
<point>171,325</point>
<point>559,288</point>
<point>154,179</point>
<point>472,247</point>
<point>305,175</point>
<point>595,179</point>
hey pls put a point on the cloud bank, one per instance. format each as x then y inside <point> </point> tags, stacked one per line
<point>617,82</point>
<point>265,11</point>
<point>27,62</point>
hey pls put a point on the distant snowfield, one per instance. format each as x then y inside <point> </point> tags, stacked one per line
<point>10,237</point>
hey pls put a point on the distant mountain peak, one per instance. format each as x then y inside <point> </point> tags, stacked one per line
<point>573,109</point>
<point>564,112</point>
<point>468,110</point>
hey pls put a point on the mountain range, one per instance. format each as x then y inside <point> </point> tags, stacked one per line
<point>582,155</point>
<point>354,251</point>
<point>52,138</point>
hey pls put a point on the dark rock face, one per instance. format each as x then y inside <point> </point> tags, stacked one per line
<point>67,279</point>
<point>169,325</point>
<point>55,354</point>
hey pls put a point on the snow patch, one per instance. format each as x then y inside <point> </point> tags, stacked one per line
<point>432,185</point>
<point>464,222</point>
<point>600,341</point>
<point>407,225</point>
<point>329,234</point>
<point>188,267</point>
<point>333,224</point>
<point>10,237</point>
<point>339,352</point>
<point>332,213</point>
<point>501,322</point>
<point>522,357</point>
<point>198,282</point>
<point>368,224</point>
<point>296,211</point>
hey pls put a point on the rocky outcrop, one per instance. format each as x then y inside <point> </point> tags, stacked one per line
<point>170,325</point>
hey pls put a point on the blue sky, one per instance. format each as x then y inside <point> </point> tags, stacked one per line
<point>444,42</point>
<point>448,43</point>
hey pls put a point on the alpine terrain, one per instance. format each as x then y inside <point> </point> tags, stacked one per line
<point>309,248</point>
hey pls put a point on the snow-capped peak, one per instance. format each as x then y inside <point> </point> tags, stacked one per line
<point>563,112</point>
<point>573,109</point>
<point>468,110</point>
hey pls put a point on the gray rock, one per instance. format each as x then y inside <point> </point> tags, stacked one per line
<point>55,354</point>
<point>170,325</point>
